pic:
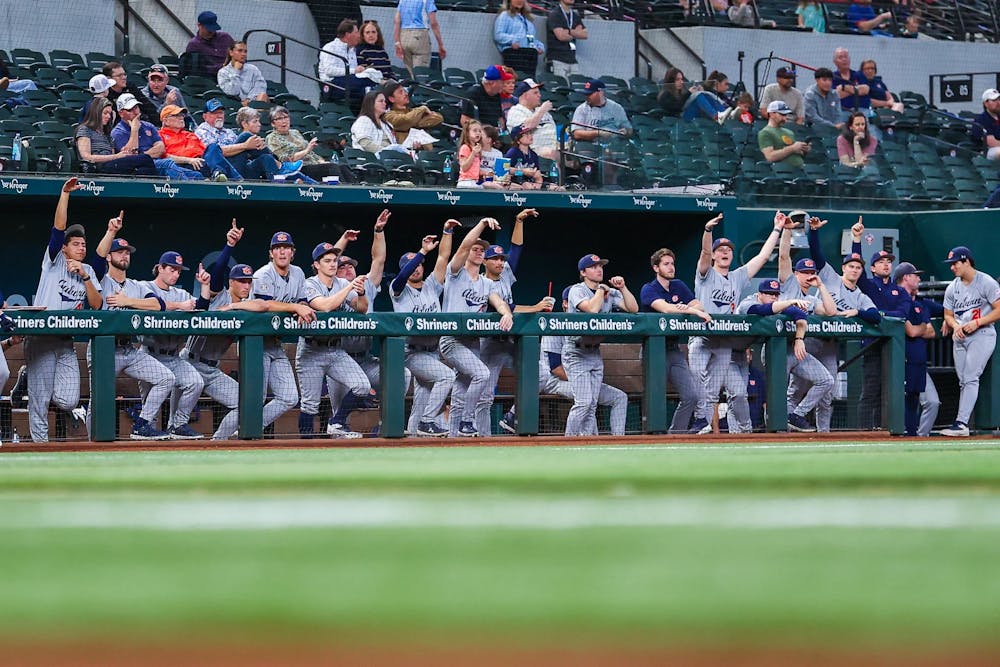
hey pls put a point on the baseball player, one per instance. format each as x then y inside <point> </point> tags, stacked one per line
<point>66,283</point>
<point>165,348</point>
<point>114,256</point>
<point>971,306</point>
<point>6,327</point>
<point>666,294</point>
<point>552,379</point>
<point>359,347</point>
<point>282,285</point>
<point>718,287</point>
<point>319,357</point>
<point>801,363</point>
<point>411,292</point>
<point>467,291</point>
<point>204,352</point>
<point>582,354</point>
<point>850,301</point>
<point>497,352</point>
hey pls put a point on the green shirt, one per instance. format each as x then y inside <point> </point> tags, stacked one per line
<point>778,138</point>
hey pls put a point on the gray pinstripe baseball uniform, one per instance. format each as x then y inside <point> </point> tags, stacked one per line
<point>497,352</point>
<point>360,349</point>
<point>970,302</point>
<point>269,284</point>
<point>204,353</point>
<point>52,357</point>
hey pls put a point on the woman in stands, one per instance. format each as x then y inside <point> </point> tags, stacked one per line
<point>675,94</point>
<point>96,150</point>
<point>370,132</point>
<point>856,144</point>
<point>514,36</point>
<point>810,15</point>
<point>371,51</point>
<point>241,79</point>
<point>289,145</point>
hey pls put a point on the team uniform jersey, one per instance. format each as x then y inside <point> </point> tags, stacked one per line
<point>268,284</point>
<point>505,285</point>
<point>790,290</point>
<point>360,344</point>
<point>719,294</point>
<point>130,288</point>
<point>972,301</point>
<point>169,343</point>
<point>462,294</point>
<point>315,289</point>
<point>58,289</point>
<point>212,347</point>
<point>579,293</point>
<point>845,297</point>
<point>677,293</point>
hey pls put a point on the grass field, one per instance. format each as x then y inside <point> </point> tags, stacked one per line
<point>782,544</point>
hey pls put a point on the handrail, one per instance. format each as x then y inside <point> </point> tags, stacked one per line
<point>155,33</point>
<point>756,70</point>
<point>642,41</point>
<point>691,52</point>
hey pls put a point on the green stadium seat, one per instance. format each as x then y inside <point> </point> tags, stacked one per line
<point>27,58</point>
<point>96,60</point>
<point>66,60</point>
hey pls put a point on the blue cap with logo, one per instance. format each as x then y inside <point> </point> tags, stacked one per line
<point>958,254</point>
<point>494,251</point>
<point>324,248</point>
<point>721,242</point>
<point>405,259</point>
<point>214,105</point>
<point>588,261</point>
<point>853,257</point>
<point>492,73</point>
<point>591,86</point>
<point>883,254</point>
<point>565,294</point>
<point>241,272</point>
<point>209,21</point>
<point>805,265</point>
<point>120,244</point>
<point>174,259</point>
<point>282,238</point>
<point>769,286</point>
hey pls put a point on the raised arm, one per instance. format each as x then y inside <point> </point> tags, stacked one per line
<point>444,249</point>
<point>348,236</point>
<point>757,263</point>
<point>221,266</point>
<point>785,255</point>
<point>462,254</point>
<point>378,249</point>
<point>705,258</point>
<point>517,237</point>
<point>629,303</point>
<point>114,226</point>
<point>815,249</point>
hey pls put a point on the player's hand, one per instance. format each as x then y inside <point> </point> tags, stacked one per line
<point>350,235</point>
<point>428,243</point>
<point>304,313</point>
<point>701,313</point>
<point>202,276</point>
<point>451,224</point>
<point>546,304</point>
<point>780,221</point>
<point>801,304</point>
<point>853,312</point>
<point>115,224</point>
<point>383,220</point>
<point>970,327</point>
<point>945,328</point>
<point>73,266</point>
<point>816,223</point>
<point>959,333</point>
<point>617,282</point>
<point>71,185</point>
<point>233,235</point>
<point>186,305</point>
<point>506,322</point>
<point>523,215</point>
<point>15,340</point>
<point>115,299</point>
<point>800,349</point>
<point>813,281</point>
<point>490,223</point>
<point>858,229</point>
<point>197,163</point>
<point>358,284</point>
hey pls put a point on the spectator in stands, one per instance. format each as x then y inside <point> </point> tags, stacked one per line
<point>675,93</point>
<point>810,15</point>
<point>878,93</point>
<point>822,104</point>
<point>911,28</point>
<point>149,141</point>
<point>705,103</point>
<point>247,152</point>
<point>402,117</point>
<point>785,91</point>
<point>99,85</point>
<point>470,151</point>
<point>514,36</point>
<point>483,100</point>
<point>13,84</point>
<point>371,51</point>
<point>861,18</point>
<point>509,79</point>
<point>410,34</point>
<point>524,162</point>
<point>120,85</point>
<point>855,144</point>
<point>488,160</point>
<point>563,26</point>
<point>185,148</point>
<point>744,13</point>
<point>240,79</point>
<point>95,148</point>
<point>986,126</point>
<point>288,145</point>
<point>158,91</point>
<point>597,117</point>
<point>533,114</point>
<point>338,65</point>
<point>370,132</point>
<point>208,49</point>
<point>852,87</point>
<point>721,86</point>
<point>743,113</point>
<point>777,142</point>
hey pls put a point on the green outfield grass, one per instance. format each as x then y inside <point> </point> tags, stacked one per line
<point>825,543</point>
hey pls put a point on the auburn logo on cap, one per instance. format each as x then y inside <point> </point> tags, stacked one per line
<point>595,258</point>
<point>496,248</point>
<point>854,255</point>
<point>809,263</point>
<point>247,271</point>
<point>327,246</point>
<point>951,253</point>
<point>773,284</point>
<point>178,259</point>
<point>122,242</point>
<point>882,253</point>
<point>282,237</point>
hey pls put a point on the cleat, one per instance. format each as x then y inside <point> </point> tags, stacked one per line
<point>956,430</point>
<point>799,423</point>
<point>341,432</point>
<point>143,430</point>
<point>467,430</point>
<point>431,430</point>
<point>509,423</point>
<point>701,427</point>
<point>184,432</point>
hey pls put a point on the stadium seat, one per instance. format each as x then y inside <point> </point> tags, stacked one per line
<point>66,60</point>
<point>28,58</point>
<point>96,60</point>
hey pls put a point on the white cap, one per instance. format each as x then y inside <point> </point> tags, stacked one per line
<point>127,101</point>
<point>99,83</point>
<point>991,94</point>
<point>778,106</point>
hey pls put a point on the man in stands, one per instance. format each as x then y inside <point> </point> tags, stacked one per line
<point>404,118</point>
<point>986,126</point>
<point>785,91</point>
<point>338,65</point>
<point>777,142</point>
<point>158,91</point>
<point>852,86</point>
<point>120,85</point>
<point>599,119</point>
<point>862,18</point>
<point>822,104</point>
<point>209,48</point>
<point>563,26</point>
<point>251,157</point>
<point>184,147</point>
<point>533,114</point>
<point>483,103</point>
<point>150,142</point>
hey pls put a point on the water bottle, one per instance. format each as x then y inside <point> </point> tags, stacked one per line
<point>334,159</point>
<point>15,149</point>
<point>554,173</point>
<point>446,169</point>
<point>15,437</point>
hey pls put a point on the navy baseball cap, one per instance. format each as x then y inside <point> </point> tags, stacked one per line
<point>241,272</point>
<point>883,254</point>
<point>209,21</point>
<point>494,251</point>
<point>72,232</point>
<point>588,261</point>
<point>120,244</point>
<point>769,286</point>
<point>805,265</point>
<point>324,248</point>
<point>590,87</point>
<point>853,257</point>
<point>518,130</point>
<point>174,259</point>
<point>214,105</point>
<point>405,259</point>
<point>958,254</point>
<point>720,242</point>
<point>565,293</point>
<point>344,259</point>
<point>525,86</point>
<point>282,238</point>
<point>904,269</point>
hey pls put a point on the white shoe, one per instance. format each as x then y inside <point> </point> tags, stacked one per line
<point>956,430</point>
<point>79,413</point>
<point>341,432</point>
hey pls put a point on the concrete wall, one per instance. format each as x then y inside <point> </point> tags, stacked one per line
<point>44,25</point>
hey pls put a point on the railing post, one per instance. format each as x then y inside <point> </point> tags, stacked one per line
<point>987,412</point>
<point>251,387</point>
<point>393,409</point>
<point>102,389</point>
<point>654,398</point>
<point>893,366</point>
<point>776,374</point>
<point>526,352</point>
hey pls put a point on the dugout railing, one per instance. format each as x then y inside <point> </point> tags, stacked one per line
<point>390,330</point>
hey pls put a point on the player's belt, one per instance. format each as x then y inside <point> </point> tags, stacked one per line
<point>168,351</point>
<point>586,346</point>
<point>323,342</point>
<point>422,348</point>
<point>124,341</point>
<point>214,363</point>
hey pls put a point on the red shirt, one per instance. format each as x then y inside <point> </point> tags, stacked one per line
<point>182,143</point>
